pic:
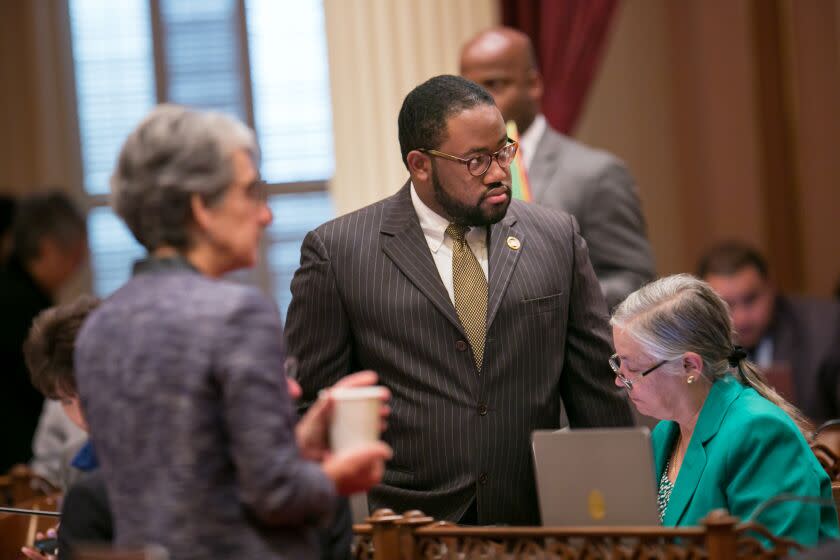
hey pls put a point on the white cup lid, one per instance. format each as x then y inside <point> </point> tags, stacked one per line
<point>348,393</point>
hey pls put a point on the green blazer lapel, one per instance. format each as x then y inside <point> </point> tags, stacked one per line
<point>723,392</point>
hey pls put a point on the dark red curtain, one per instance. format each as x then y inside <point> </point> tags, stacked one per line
<point>569,37</point>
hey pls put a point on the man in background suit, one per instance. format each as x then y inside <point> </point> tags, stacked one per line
<point>592,185</point>
<point>481,315</point>
<point>795,340</point>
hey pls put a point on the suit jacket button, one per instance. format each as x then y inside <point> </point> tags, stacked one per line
<point>461,346</point>
<point>482,478</point>
<point>482,409</point>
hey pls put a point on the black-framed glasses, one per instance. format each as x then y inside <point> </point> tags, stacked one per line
<point>615,364</point>
<point>478,165</point>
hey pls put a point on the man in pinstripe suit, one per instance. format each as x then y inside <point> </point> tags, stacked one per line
<point>375,290</point>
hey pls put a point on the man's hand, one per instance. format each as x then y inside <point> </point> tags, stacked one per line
<point>312,431</point>
<point>357,469</point>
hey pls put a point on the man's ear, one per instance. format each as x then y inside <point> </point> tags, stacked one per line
<point>419,165</point>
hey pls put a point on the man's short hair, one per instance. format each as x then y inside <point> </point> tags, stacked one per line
<point>48,214</point>
<point>425,110</point>
<point>48,349</point>
<point>729,258</point>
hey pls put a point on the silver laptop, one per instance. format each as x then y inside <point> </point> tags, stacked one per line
<point>595,477</point>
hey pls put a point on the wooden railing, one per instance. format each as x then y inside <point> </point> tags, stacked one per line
<point>415,536</point>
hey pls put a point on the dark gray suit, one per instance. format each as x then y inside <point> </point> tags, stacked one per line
<point>806,337</point>
<point>596,188</point>
<point>368,295</point>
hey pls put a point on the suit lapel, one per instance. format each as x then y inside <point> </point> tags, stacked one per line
<point>502,259</point>
<point>543,164</point>
<point>404,243</point>
<point>723,392</point>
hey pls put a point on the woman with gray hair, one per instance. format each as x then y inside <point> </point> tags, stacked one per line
<point>726,439</point>
<point>181,373</point>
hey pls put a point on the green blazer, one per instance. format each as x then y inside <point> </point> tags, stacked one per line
<point>744,451</point>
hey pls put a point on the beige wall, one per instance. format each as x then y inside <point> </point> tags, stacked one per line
<point>630,113</point>
<point>814,39</point>
<point>683,95</point>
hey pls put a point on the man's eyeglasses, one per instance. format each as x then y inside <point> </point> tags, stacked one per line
<point>615,364</point>
<point>478,165</point>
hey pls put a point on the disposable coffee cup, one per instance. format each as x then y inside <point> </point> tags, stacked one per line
<point>355,419</point>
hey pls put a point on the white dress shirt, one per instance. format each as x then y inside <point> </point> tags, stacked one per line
<point>434,229</point>
<point>530,139</point>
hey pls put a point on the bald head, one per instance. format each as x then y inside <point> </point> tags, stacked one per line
<point>502,60</point>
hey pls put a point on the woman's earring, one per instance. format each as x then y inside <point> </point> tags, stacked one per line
<point>690,379</point>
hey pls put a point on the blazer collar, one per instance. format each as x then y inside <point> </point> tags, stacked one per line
<point>544,163</point>
<point>406,246</point>
<point>724,391</point>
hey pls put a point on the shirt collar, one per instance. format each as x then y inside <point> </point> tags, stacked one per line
<point>155,264</point>
<point>530,139</point>
<point>433,224</point>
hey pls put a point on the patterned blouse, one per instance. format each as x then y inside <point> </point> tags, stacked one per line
<point>664,494</point>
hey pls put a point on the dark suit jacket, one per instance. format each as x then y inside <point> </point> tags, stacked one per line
<point>368,295</point>
<point>85,515</point>
<point>596,188</point>
<point>806,337</point>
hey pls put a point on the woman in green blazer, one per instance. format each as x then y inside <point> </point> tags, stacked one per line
<point>726,439</point>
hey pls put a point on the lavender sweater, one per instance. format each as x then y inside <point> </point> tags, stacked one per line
<point>181,379</point>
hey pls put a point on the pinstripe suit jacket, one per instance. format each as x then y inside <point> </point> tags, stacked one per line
<point>368,295</point>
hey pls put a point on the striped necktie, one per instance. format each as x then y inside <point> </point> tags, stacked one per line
<point>470,287</point>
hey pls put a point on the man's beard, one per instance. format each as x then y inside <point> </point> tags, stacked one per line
<point>463,214</point>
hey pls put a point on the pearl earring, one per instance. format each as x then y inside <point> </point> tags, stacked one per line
<point>690,379</point>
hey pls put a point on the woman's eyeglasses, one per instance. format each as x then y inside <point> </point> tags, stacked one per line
<point>615,364</point>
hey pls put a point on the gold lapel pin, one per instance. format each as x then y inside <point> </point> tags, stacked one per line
<point>513,243</point>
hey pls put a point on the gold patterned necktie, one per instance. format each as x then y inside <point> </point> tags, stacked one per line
<point>470,287</point>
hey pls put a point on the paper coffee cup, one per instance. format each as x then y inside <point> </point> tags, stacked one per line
<point>355,419</point>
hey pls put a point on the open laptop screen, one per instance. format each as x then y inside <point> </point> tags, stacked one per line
<point>595,477</point>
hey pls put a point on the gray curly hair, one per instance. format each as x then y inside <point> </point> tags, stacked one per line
<point>174,153</point>
<point>681,313</point>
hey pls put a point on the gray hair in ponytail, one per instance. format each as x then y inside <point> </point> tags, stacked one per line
<point>679,314</point>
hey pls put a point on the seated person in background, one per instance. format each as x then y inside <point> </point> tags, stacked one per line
<point>48,351</point>
<point>726,439</point>
<point>57,440</point>
<point>795,341</point>
<point>181,373</point>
